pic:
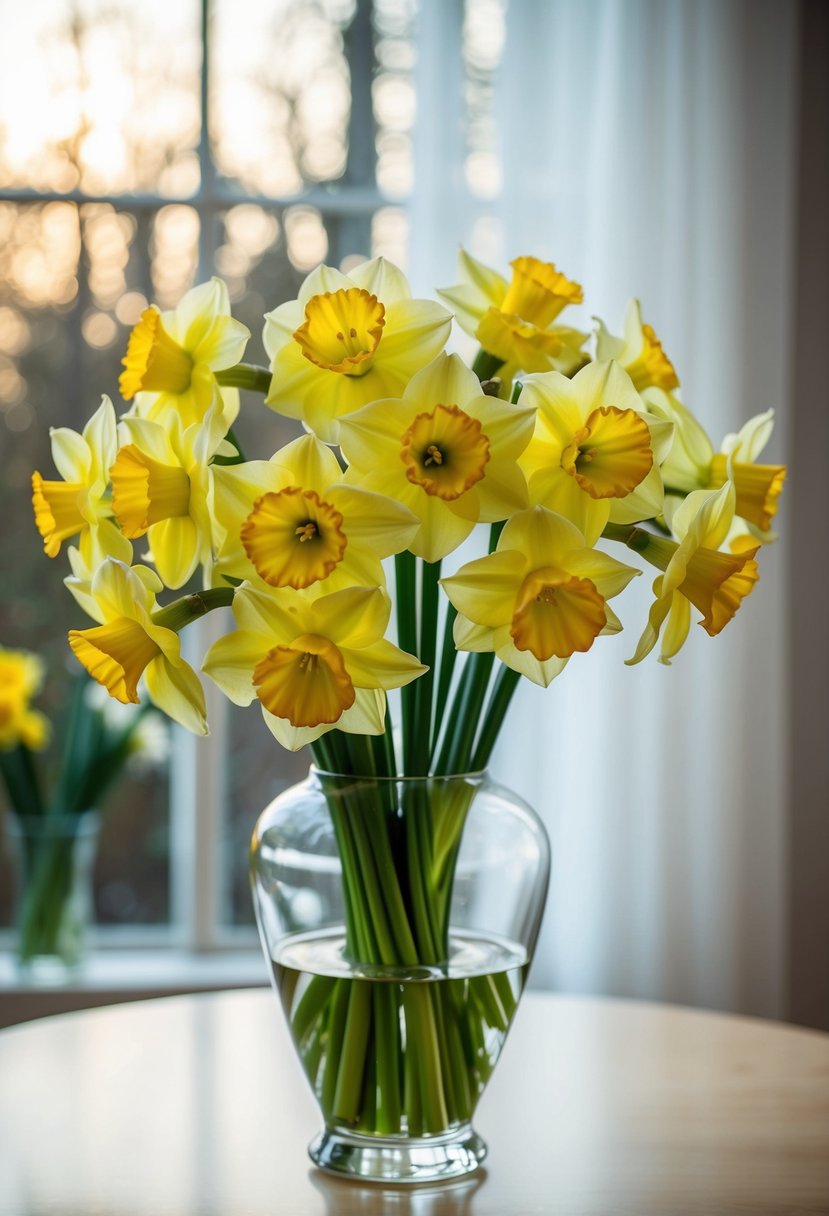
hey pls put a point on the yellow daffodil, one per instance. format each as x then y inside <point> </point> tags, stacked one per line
<point>514,321</point>
<point>595,453</point>
<point>539,598</point>
<point>695,571</point>
<point>444,450</point>
<point>347,340</point>
<point>313,664</point>
<point>161,488</point>
<point>172,357</point>
<point>292,522</point>
<point>692,463</point>
<point>639,351</point>
<point>79,505</point>
<point>21,675</point>
<point>129,643</point>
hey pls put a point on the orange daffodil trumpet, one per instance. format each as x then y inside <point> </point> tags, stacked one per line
<point>514,321</point>
<point>348,340</point>
<point>172,357</point>
<point>695,571</point>
<point>444,450</point>
<point>572,452</point>
<point>595,452</point>
<point>693,464</point>
<point>293,522</point>
<point>639,352</point>
<point>313,664</point>
<point>79,506</point>
<point>539,598</point>
<point>132,642</point>
<point>161,488</point>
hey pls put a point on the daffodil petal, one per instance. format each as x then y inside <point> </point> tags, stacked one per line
<point>484,590</point>
<point>177,690</point>
<point>352,618</point>
<point>381,278</point>
<point>374,519</point>
<point>71,454</point>
<point>446,380</point>
<point>277,615</point>
<point>230,663</point>
<point>676,629</point>
<point>381,665</point>
<point>311,463</point>
<point>175,545</point>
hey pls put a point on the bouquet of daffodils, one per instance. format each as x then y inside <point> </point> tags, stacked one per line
<point>52,819</point>
<point>572,450</point>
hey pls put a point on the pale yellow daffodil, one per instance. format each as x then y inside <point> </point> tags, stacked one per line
<point>129,643</point>
<point>21,676</point>
<point>692,463</point>
<point>79,505</point>
<point>696,572</point>
<point>539,598</point>
<point>172,357</point>
<point>445,451</point>
<point>514,321</point>
<point>348,340</point>
<point>161,487</point>
<point>595,453</point>
<point>315,665</point>
<point>292,522</point>
<point>639,351</point>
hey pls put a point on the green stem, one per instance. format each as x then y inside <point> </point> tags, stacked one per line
<point>506,683</point>
<point>456,752</point>
<point>486,365</point>
<point>425,684</point>
<point>405,582</point>
<point>246,375</point>
<point>191,607</point>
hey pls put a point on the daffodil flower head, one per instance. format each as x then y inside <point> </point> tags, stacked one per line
<point>129,644</point>
<point>21,677</point>
<point>78,505</point>
<point>539,598</point>
<point>293,522</point>
<point>757,487</point>
<point>595,453</point>
<point>172,356</point>
<point>161,488</point>
<point>444,450</point>
<point>639,351</point>
<point>696,572</point>
<point>692,463</point>
<point>313,664</point>
<point>514,321</point>
<point>348,340</point>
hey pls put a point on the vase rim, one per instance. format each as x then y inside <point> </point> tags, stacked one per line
<point>401,778</point>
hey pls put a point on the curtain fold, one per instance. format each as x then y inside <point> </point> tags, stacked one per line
<point>647,148</point>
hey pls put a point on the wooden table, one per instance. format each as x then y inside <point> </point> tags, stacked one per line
<point>196,1106</point>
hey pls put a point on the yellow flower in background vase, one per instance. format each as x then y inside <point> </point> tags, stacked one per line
<point>293,522</point>
<point>445,451</point>
<point>172,357</point>
<point>348,340</point>
<point>595,453</point>
<point>161,489</point>
<point>129,644</point>
<point>313,664</point>
<point>692,463</point>
<point>539,598</point>
<point>21,677</point>
<point>695,571</point>
<point>514,321</point>
<point>79,504</point>
<point>639,351</point>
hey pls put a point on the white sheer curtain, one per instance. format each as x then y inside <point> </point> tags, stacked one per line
<point>647,147</point>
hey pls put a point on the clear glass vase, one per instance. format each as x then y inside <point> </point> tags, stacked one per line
<point>53,858</point>
<point>399,919</point>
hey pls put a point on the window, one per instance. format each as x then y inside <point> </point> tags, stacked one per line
<point>143,148</point>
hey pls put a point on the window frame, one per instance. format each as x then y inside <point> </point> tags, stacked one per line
<point>197,784</point>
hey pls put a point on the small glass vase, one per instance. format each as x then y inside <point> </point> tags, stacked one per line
<point>399,918</point>
<point>53,858</point>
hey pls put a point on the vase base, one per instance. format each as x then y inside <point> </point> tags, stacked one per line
<point>395,1159</point>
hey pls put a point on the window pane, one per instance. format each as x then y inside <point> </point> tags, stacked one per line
<point>72,281</point>
<point>280,95</point>
<point>100,95</point>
